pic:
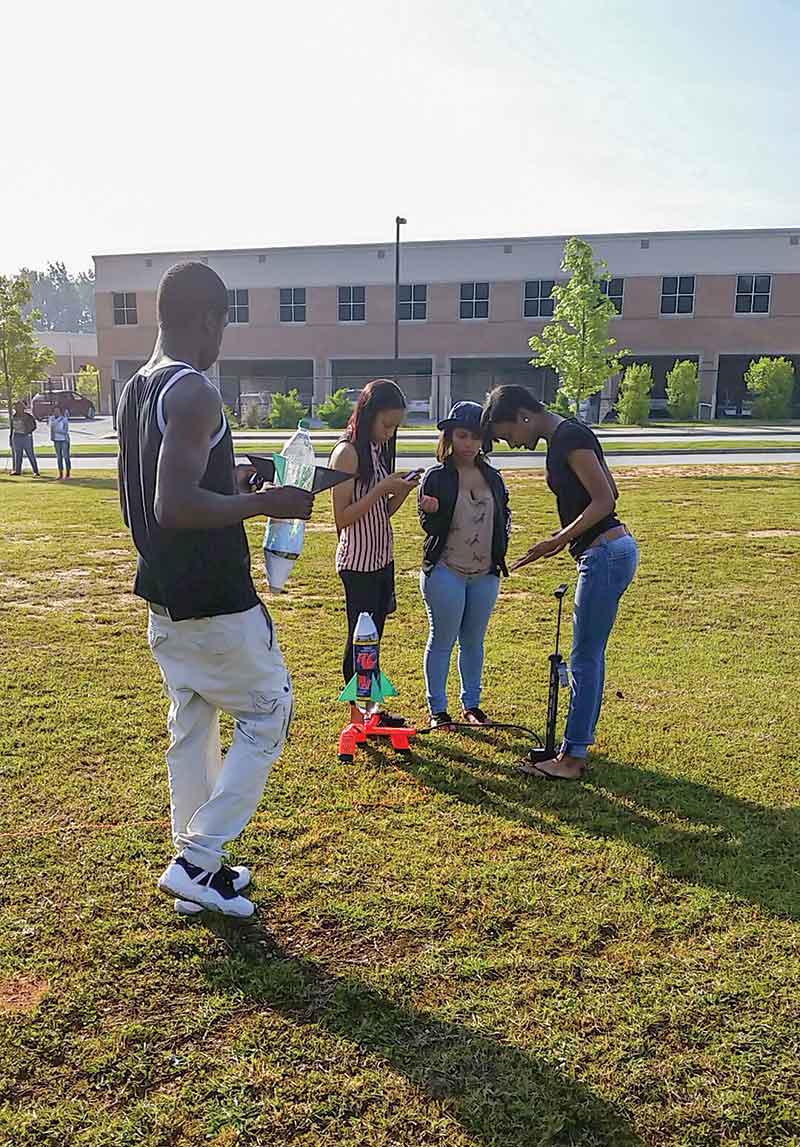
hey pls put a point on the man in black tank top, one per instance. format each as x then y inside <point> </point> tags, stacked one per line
<point>185,502</point>
<point>606,553</point>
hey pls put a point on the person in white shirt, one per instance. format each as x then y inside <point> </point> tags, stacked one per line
<point>59,435</point>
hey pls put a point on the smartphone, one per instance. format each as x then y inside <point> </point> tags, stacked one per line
<point>414,474</point>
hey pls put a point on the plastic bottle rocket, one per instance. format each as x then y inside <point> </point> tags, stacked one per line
<point>368,686</point>
<point>283,540</point>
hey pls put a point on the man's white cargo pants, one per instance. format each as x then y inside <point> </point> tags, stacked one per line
<point>231,663</point>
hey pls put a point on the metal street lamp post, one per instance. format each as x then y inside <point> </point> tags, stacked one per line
<point>399,221</point>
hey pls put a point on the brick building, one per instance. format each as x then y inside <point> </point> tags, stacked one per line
<point>319,318</point>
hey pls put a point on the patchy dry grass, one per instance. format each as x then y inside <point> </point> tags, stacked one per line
<point>447,954</point>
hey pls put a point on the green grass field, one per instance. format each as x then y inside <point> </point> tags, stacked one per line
<point>448,954</point>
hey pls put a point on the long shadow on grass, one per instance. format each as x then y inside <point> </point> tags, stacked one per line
<point>501,1096</point>
<point>95,483</point>
<point>696,833</point>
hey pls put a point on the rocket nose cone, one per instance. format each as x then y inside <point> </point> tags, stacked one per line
<point>365,628</point>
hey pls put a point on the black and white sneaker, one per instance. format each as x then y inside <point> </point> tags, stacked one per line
<point>213,890</point>
<point>240,878</point>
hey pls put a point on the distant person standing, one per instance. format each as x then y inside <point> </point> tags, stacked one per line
<point>184,501</point>
<point>23,425</point>
<point>59,436</point>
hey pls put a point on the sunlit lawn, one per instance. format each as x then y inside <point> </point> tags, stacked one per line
<point>447,953</point>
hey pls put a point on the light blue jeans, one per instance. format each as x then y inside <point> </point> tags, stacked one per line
<point>605,571</point>
<point>62,454</point>
<point>458,608</point>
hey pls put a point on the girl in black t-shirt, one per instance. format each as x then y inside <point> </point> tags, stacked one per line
<point>605,550</point>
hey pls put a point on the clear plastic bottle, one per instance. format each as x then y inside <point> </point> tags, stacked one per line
<point>283,540</point>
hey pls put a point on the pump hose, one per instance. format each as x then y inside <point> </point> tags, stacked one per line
<point>488,725</point>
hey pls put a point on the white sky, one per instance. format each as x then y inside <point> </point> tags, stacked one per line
<point>195,125</point>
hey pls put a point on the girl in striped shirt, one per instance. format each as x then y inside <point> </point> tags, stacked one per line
<point>363,508</point>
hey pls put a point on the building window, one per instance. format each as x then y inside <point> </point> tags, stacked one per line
<point>752,294</point>
<point>474,301</point>
<point>125,309</point>
<point>293,304</point>
<point>238,306</point>
<point>614,289</point>
<point>352,304</point>
<point>677,295</point>
<point>539,302</point>
<point>413,301</point>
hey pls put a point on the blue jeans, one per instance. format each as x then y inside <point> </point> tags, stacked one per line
<point>605,571</point>
<point>22,444</point>
<point>458,607</point>
<point>62,455</point>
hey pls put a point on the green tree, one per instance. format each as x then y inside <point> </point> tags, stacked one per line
<point>88,383</point>
<point>336,410</point>
<point>22,359</point>
<point>65,302</point>
<point>286,410</point>
<point>576,342</point>
<point>633,404</point>
<point>683,390</point>
<point>771,380</point>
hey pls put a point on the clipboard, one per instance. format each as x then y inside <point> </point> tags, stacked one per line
<point>324,477</point>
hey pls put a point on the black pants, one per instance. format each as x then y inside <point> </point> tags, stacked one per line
<point>371,593</point>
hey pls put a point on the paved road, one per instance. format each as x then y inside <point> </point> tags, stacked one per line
<point>524,461</point>
<point>101,429</point>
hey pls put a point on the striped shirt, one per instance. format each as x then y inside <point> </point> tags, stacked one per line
<point>368,544</point>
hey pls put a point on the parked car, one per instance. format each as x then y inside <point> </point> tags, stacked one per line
<point>76,405</point>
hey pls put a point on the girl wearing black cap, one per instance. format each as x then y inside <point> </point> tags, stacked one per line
<point>463,507</point>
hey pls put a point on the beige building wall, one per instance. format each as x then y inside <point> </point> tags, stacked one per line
<point>712,330</point>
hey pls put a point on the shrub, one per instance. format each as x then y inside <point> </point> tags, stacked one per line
<point>562,404</point>
<point>771,380</point>
<point>633,404</point>
<point>286,410</point>
<point>683,390</point>
<point>336,410</point>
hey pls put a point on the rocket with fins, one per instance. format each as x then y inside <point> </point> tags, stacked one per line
<point>368,686</point>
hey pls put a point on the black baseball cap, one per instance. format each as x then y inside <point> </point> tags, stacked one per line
<point>464,414</point>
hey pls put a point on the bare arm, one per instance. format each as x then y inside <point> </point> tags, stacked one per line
<point>123,503</point>
<point>193,412</point>
<point>599,485</point>
<point>593,475</point>
<point>345,510</point>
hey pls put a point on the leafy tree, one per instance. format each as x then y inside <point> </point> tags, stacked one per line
<point>22,359</point>
<point>576,342</point>
<point>65,302</point>
<point>772,381</point>
<point>683,390</point>
<point>286,410</point>
<point>336,410</point>
<point>633,404</point>
<point>88,383</point>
